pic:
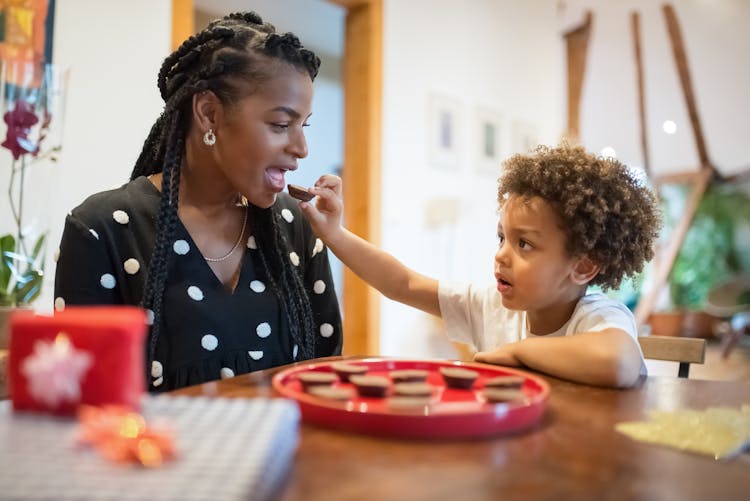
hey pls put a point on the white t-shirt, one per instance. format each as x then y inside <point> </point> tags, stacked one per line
<point>476,316</point>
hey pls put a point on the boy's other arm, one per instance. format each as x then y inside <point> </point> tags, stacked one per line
<point>603,358</point>
<point>373,265</point>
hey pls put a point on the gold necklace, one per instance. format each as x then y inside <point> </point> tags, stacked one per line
<point>236,244</point>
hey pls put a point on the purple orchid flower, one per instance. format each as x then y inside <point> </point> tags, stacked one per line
<point>20,120</point>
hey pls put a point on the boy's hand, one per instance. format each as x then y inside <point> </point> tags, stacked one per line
<point>325,216</point>
<point>505,355</point>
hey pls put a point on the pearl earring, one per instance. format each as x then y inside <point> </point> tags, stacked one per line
<point>209,138</point>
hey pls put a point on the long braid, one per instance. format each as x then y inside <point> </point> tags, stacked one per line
<point>154,294</point>
<point>227,48</point>
<point>290,290</point>
<point>150,152</point>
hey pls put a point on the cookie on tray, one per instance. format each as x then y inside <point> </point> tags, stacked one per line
<point>412,389</point>
<point>498,395</point>
<point>409,375</point>
<point>316,378</point>
<point>457,377</point>
<point>331,392</point>
<point>505,382</point>
<point>371,386</point>
<point>345,370</point>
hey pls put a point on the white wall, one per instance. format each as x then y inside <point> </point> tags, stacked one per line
<point>485,55</point>
<point>114,51</point>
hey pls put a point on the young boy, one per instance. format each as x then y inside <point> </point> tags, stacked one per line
<point>567,220</point>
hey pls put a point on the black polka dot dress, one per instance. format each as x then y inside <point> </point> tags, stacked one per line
<point>207,332</point>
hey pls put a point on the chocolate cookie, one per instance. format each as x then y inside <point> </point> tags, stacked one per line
<point>316,378</point>
<point>497,395</point>
<point>345,370</point>
<point>456,377</point>
<point>299,192</point>
<point>504,382</point>
<point>371,386</point>
<point>408,376</point>
<point>331,392</point>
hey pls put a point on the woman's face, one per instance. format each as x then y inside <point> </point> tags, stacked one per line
<point>261,137</point>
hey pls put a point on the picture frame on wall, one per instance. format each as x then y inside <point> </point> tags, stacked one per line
<point>524,136</point>
<point>443,132</point>
<point>488,140</point>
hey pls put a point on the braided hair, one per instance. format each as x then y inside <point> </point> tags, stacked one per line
<point>229,48</point>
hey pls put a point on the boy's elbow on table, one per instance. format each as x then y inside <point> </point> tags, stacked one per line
<point>624,363</point>
<point>627,372</point>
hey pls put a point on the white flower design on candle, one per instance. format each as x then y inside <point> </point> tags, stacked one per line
<point>54,371</point>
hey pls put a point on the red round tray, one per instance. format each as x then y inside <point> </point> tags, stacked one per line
<point>452,413</point>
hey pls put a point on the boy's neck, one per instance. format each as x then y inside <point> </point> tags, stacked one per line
<point>550,319</point>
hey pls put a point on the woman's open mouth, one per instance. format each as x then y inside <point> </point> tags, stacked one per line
<point>275,178</point>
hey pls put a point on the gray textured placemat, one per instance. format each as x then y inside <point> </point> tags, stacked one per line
<point>226,449</point>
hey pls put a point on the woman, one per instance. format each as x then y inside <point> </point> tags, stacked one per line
<point>231,275</point>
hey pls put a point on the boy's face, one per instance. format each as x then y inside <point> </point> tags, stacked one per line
<point>534,271</point>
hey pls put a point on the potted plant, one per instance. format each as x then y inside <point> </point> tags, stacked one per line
<point>711,253</point>
<point>31,93</point>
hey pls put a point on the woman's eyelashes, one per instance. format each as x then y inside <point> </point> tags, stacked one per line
<point>283,127</point>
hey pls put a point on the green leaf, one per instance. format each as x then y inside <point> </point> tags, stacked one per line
<point>31,261</point>
<point>38,246</point>
<point>7,245</point>
<point>30,288</point>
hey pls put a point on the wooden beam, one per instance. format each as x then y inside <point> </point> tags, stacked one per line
<point>678,49</point>
<point>663,266</point>
<point>683,177</point>
<point>183,21</point>
<point>362,70</point>
<point>577,41</point>
<point>636,28</point>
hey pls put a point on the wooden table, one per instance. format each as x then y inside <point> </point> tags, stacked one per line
<point>573,453</point>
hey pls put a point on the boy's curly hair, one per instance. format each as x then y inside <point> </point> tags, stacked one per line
<point>605,213</point>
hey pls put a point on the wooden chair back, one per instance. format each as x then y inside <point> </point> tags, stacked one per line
<point>684,350</point>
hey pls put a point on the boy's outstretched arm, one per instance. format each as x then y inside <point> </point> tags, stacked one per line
<point>604,358</point>
<point>373,265</point>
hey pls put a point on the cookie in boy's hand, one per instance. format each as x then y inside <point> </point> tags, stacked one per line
<point>299,192</point>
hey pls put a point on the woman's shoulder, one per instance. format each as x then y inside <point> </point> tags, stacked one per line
<point>132,197</point>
